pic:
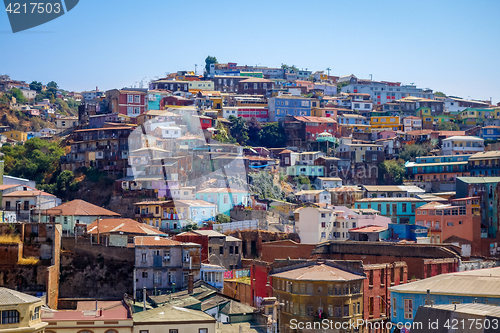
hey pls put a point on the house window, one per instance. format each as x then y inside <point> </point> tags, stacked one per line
<point>137,99</point>
<point>166,255</point>
<point>7,205</point>
<point>226,198</point>
<point>408,308</point>
<point>10,317</point>
<point>137,110</point>
<point>221,250</point>
<point>36,313</point>
<point>173,331</point>
<point>157,277</point>
<point>186,256</point>
<point>130,98</point>
<point>143,257</point>
<point>394,306</point>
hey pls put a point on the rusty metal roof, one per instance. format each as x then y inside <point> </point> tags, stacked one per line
<point>80,208</point>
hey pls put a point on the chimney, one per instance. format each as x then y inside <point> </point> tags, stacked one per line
<point>190,277</point>
<point>144,298</point>
<point>428,298</point>
<point>95,305</point>
<point>100,312</point>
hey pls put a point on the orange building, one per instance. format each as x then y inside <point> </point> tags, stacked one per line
<point>460,220</point>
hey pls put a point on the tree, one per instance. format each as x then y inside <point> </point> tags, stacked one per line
<point>16,92</point>
<point>254,128</point>
<point>409,152</point>
<point>208,61</point>
<point>222,218</point>
<point>37,160</point>
<point>52,85</point>
<point>35,85</point>
<point>261,184</point>
<point>273,135</point>
<point>239,129</point>
<point>292,68</point>
<point>439,94</point>
<point>391,172</point>
<point>342,84</point>
<point>448,126</point>
<point>222,135</point>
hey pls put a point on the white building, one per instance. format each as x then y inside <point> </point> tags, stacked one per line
<point>412,123</point>
<point>308,157</point>
<point>171,132</point>
<point>28,202</point>
<point>462,145</point>
<point>213,275</point>
<point>327,88</point>
<point>315,225</point>
<point>328,182</point>
<point>315,196</point>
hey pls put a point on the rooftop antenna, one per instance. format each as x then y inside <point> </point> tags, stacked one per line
<point>328,70</point>
<point>195,69</point>
<point>371,77</point>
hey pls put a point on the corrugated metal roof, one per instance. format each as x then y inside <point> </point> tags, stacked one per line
<point>28,194</point>
<point>9,296</point>
<point>481,282</point>
<point>477,180</point>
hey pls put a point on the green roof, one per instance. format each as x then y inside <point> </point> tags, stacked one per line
<point>479,180</point>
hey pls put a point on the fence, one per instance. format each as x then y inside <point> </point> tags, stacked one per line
<point>239,225</point>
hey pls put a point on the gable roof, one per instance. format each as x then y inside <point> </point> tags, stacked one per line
<point>171,314</point>
<point>80,208</point>
<point>158,241</point>
<point>31,193</point>
<point>121,225</point>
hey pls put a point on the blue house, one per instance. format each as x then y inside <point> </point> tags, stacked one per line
<point>177,213</point>
<point>399,210</point>
<point>154,98</point>
<point>224,198</point>
<point>281,106</point>
<point>476,286</point>
<point>490,132</point>
<point>305,170</point>
<point>407,231</point>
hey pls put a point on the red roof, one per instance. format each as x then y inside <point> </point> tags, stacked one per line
<point>80,208</point>
<point>115,310</point>
<point>368,228</point>
<point>309,119</point>
<point>126,226</point>
<point>30,193</point>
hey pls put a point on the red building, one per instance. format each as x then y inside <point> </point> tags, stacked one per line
<point>191,237</point>
<point>376,294</point>
<point>259,112</point>
<point>175,100</point>
<point>127,102</point>
<point>317,125</point>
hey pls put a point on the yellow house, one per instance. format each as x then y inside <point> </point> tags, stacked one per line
<point>386,122</point>
<point>20,312</point>
<point>149,212</point>
<point>16,135</point>
<point>319,291</point>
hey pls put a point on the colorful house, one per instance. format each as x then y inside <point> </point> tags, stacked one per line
<point>476,286</point>
<point>486,164</point>
<point>386,122</point>
<point>305,170</point>
<point>400,210</point>
<point>225,199</point>
<point>16,135</point>
<point>438,168</point>
<point>490,132</point>
<point>460,219</point>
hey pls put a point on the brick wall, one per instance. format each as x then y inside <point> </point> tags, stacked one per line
<point>10,253</point>
<point>286,249</point>
<point>238,290</point>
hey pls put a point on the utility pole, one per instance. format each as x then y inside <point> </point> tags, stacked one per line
<point>195,69</point>
<point>328,70</point>
<point>371,77</point>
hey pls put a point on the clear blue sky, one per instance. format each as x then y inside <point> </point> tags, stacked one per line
<point>449,46</point>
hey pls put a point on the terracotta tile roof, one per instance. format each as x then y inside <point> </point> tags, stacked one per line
<point>318,272</point>
<point>80,208</point>
<point>27,194</point>
<point>104,129</point>
<point>256,79</point>
<point>5,187</point>
<point>126,226</point>
<point>368,228</point>
<point>155,241</point>
<point>309,119</point>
